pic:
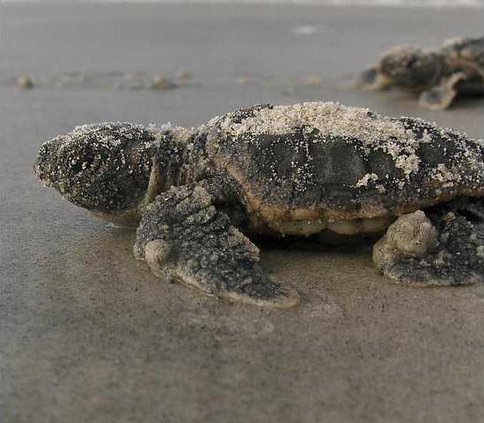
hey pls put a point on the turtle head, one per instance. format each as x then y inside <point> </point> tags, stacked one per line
<point>410,68</point>
<point>104,167</point>
<point>372,79</point>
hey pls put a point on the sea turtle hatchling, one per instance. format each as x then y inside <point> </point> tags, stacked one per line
<point>296,170</point>
<point>438,76</point>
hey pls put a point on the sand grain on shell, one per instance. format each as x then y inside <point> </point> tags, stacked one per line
<point>328,118</point>
<point>332,120</point>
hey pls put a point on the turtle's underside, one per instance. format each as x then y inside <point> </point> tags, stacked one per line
<point>439,76</point>
<point>300,170</point>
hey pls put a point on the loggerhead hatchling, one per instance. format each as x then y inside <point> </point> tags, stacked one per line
<point>299,170</point>
<point>438,76</point>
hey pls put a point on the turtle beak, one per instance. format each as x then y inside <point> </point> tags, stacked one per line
<point>371,79</point>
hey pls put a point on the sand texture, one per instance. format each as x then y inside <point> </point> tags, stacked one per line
<point>90,335</point>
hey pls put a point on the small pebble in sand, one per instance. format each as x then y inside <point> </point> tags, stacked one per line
<point>161,83</point>
<point>243,79</point>
<point>24,82</point>
<point>313,80</point>
<point>307,29</point>
<point>184,76</point>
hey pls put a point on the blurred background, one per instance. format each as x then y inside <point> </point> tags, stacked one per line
<point>185,62</point>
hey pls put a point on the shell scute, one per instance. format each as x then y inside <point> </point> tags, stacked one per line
<point>345,162</point>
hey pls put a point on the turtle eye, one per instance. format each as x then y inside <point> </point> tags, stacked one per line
<point>88,159</point>
<point>411,63</point>
<point>83,163</point>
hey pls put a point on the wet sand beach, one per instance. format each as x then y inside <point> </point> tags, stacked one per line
<point>90,335</point>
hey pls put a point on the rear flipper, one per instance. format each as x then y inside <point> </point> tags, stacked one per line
<point>183,236</point>
<point>439,250</point>
<point>441,96</point>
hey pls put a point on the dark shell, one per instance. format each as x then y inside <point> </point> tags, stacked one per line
<point>354,164</point>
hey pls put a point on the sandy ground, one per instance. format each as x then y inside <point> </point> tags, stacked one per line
<point>90,335</point>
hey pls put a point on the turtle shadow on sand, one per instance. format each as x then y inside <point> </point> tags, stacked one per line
<point>324,243</point>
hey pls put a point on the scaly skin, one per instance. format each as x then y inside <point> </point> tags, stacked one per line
<point>184,236</point>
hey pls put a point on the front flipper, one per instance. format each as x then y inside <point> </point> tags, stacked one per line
<point>183,236</point>
<point>447,250</point>
<point>441,96</point>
